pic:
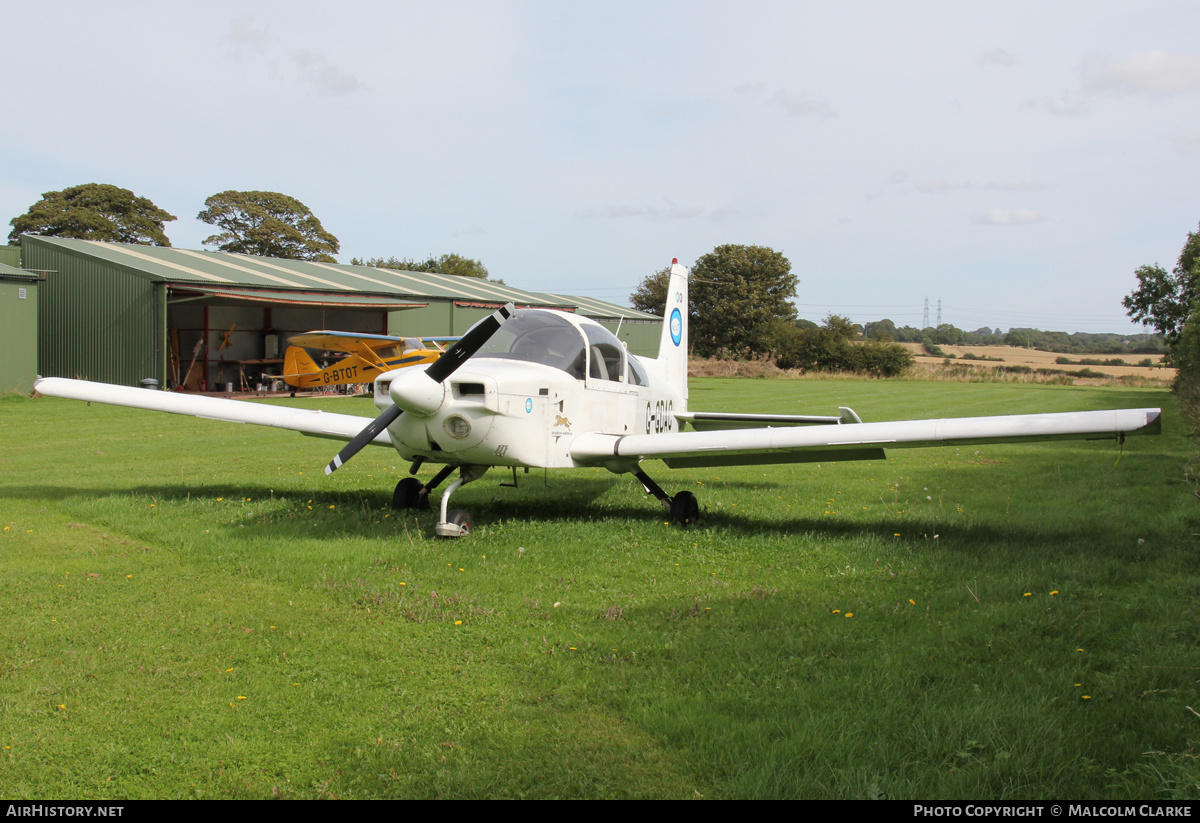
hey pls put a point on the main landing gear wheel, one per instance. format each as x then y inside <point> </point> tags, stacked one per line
<point>408,495</point>
<point>684,509</point>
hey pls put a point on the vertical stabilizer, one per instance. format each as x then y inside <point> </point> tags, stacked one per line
<point>297,365</point>
<point>673,345</point>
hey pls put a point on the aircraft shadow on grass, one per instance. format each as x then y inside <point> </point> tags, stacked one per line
<point>569,501</point>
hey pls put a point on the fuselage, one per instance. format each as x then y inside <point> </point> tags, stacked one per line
<point>542,380</point>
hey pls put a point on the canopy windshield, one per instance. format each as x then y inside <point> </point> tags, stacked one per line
<point>538,337</point>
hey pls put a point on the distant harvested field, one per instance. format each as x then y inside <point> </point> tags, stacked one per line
<point>1015,356</point>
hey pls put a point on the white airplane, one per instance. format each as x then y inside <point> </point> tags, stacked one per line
<point>539,388</point>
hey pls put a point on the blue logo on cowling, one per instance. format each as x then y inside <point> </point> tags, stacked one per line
<point>676,326</point>
<point>528,405</point>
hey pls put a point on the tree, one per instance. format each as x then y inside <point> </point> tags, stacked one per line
<point>735,291</point>
<point>1164,300</point>
<point>880,330</point>
<point>268,224</point>
<point>651,294</point>
<point>833,348</point>
<point>94,211</point>
<point>454,264</point>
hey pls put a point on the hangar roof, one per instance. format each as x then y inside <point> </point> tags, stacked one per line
<point>9,272</point>
<point>213,270</point>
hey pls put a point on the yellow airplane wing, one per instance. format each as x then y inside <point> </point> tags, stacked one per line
<point>367,356</point>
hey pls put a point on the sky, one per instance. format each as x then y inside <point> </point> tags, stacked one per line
<point>1015,162</point>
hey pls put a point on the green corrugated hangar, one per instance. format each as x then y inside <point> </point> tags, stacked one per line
<point>121,313</point>
<point>18,328</point>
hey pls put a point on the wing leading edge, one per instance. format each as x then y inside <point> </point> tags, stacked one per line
<point>306,421</point>
<point>860,441</point>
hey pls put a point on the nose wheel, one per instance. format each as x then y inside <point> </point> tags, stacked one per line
<point>456,522</point>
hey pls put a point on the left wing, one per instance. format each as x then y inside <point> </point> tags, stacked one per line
<point>351,342</point>
<point>306,421</point>
<point>857,441</point>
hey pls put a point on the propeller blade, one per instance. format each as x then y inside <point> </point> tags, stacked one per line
<point>470,343</point>
<point>439,370</point>
<point>363,438</point>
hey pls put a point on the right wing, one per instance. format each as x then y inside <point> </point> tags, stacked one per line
<point>312,422</point>
<point>857,441</point>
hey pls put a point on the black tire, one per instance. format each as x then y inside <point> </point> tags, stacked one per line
<point>407,495</point>
<point>684,509</point>
<point>460,518</point>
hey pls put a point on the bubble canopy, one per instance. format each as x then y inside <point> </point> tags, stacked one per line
<point>549,338</point>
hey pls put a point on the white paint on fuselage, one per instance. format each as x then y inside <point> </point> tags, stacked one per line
<point>526,414</point>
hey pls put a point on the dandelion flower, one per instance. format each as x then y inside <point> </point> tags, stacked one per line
<point>457,622</point>
<point>1029,594</point>
<point>849,614</point>
<point>1054,592</point>
<point>910,600</point>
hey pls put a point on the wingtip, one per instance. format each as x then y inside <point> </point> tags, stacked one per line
<point>1154,422</point>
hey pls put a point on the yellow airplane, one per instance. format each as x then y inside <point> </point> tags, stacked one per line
<point>367,356</point>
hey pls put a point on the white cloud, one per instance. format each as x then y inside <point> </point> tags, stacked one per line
<point>1007,217</point>
<point>794,106</point>
<point>1069,105</point>
<point>669,211</point>
<point>938,185</point>
<point>997,57</point>
<point>243,35</point>
<point>1154,72</point>
<point>1188,141</point>
<point>801,106</point>
<point>328,78</point>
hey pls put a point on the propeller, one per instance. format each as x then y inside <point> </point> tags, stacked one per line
<point>438,371</point>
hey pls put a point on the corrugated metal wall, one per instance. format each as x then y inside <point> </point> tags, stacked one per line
<point>18,334</point>
<point>96,321</point>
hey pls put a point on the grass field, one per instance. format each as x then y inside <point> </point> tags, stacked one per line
<point>192,609</point>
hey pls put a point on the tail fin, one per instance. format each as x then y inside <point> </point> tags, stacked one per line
<point>296,365</point>
<point>673,345</point>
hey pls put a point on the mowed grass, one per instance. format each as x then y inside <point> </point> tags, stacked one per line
<point>193,609</point>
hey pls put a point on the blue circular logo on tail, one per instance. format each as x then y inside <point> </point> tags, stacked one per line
<point>676,326</point>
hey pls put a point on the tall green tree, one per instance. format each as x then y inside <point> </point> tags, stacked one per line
<point>1165,300</point>
<point>268,224</point>
<point>735,293</point>
<point>454,264</point>
<point>94,211</point>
